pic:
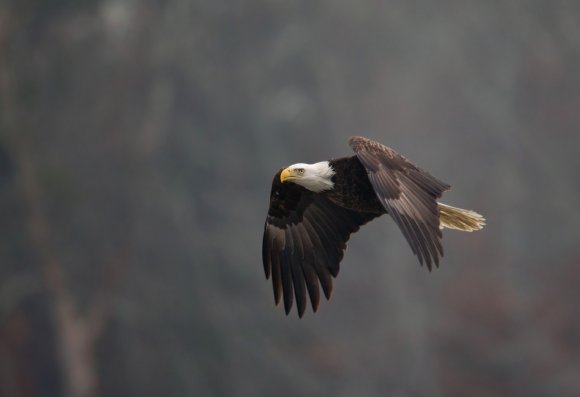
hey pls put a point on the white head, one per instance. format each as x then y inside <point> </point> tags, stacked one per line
<point>314,177</point>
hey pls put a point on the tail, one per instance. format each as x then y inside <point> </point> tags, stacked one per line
<point>459,219</point>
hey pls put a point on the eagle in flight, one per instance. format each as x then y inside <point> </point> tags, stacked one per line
<point>314,208</point>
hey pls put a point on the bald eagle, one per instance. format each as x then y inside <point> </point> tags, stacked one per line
<point>314,208</point>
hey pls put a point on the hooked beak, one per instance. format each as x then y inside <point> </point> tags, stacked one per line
<point>286,174</point>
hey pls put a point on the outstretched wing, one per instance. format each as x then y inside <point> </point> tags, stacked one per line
<point>305,237</point>
<point>408,194</point>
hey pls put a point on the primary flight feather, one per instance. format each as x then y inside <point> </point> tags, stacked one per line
<point>314,208</point>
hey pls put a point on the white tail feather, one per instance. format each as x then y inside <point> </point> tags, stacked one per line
<point>459,219</point>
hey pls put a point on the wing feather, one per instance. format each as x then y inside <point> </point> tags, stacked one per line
<point>320,259</point>
<point>308,269</point>
<point>305,236</point>
<point>287,286</point>
<point>297,272</point>
<point>274,253</point>
<point>409,195</point>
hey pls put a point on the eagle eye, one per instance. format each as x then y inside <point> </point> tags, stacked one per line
<point>300,170</point>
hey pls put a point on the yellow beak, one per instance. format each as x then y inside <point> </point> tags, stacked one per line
<point>286,174</point>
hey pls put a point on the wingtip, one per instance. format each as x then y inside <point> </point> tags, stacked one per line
<point>353,139</point>
<point>439,258</point>
<point>327,292</point>
<point>299,312</point>
<point>287,306</point>
<point>435,264</point>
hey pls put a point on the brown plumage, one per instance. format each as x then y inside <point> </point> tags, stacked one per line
<point>306,230</point>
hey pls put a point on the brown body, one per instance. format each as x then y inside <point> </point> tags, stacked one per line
<point>353,189</point>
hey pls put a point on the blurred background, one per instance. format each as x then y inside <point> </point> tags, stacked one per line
<point>138,141</point>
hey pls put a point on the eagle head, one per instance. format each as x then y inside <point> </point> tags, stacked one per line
<point>315,177</point>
